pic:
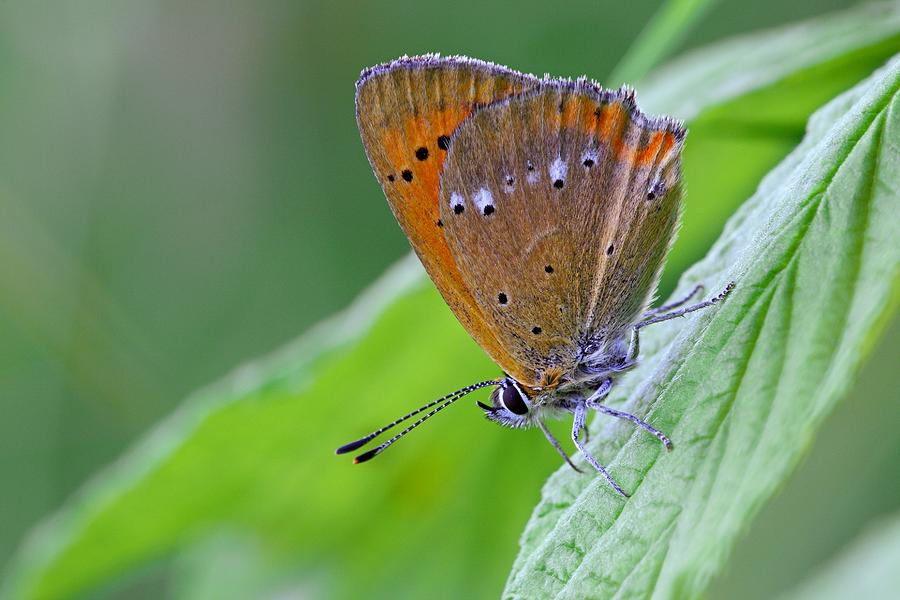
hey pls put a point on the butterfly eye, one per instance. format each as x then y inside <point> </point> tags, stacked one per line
<point>512,400</point>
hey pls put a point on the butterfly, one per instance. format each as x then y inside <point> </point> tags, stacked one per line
<point>543,210</point>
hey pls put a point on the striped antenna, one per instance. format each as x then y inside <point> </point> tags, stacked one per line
<point>444,402</point>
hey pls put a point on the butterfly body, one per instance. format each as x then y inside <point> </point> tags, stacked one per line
<point>542,209</point>
<point>562,394</point>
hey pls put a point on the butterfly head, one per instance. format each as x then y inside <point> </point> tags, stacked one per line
<point>510,405</point>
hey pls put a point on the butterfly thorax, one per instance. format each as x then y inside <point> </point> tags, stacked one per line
<point>599,364</point>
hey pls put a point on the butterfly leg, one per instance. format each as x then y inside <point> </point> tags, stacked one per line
<point>598,394</point>
<point>594,404</point>
<point>634,344</point>
<point>640,423</point>
<point>601,392</point>
<point>698,289</point>
<point>555,443</point>
<point>577,426</point>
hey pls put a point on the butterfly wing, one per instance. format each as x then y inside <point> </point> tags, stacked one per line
<point>406,111</point>
<point>559,206</point>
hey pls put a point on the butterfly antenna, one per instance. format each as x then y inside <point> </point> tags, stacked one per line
<point>447,400</point>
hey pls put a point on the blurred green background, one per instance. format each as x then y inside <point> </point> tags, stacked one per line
<point>182,188</point>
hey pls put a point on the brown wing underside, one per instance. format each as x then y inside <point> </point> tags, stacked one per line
<point>559,206</point>
<point>406,112</point>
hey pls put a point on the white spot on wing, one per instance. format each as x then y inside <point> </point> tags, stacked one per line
<point>509,185</point>
<point>483,199</point>
<point>532,176</point>
<point>558,170</point>
<point>657,190</point>
<point>590,158</point>
<point>456,199</point>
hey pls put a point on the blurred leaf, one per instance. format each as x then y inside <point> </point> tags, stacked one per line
<point>867,569</point>
<point>742,389</point>
<point>747,101</point>
<point>791,55</point>
<point>668,27</point>
<point>255,455</point>
<point>248,455</point>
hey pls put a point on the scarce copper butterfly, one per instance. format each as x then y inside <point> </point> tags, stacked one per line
<point>543,210</point>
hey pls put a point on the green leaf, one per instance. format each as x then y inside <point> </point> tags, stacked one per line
<point>747,100</point>
<point>867,569</point>
<point>796,56</point>
<point>253,455</point>
<point>743,388</point>
<point>816,513</point>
